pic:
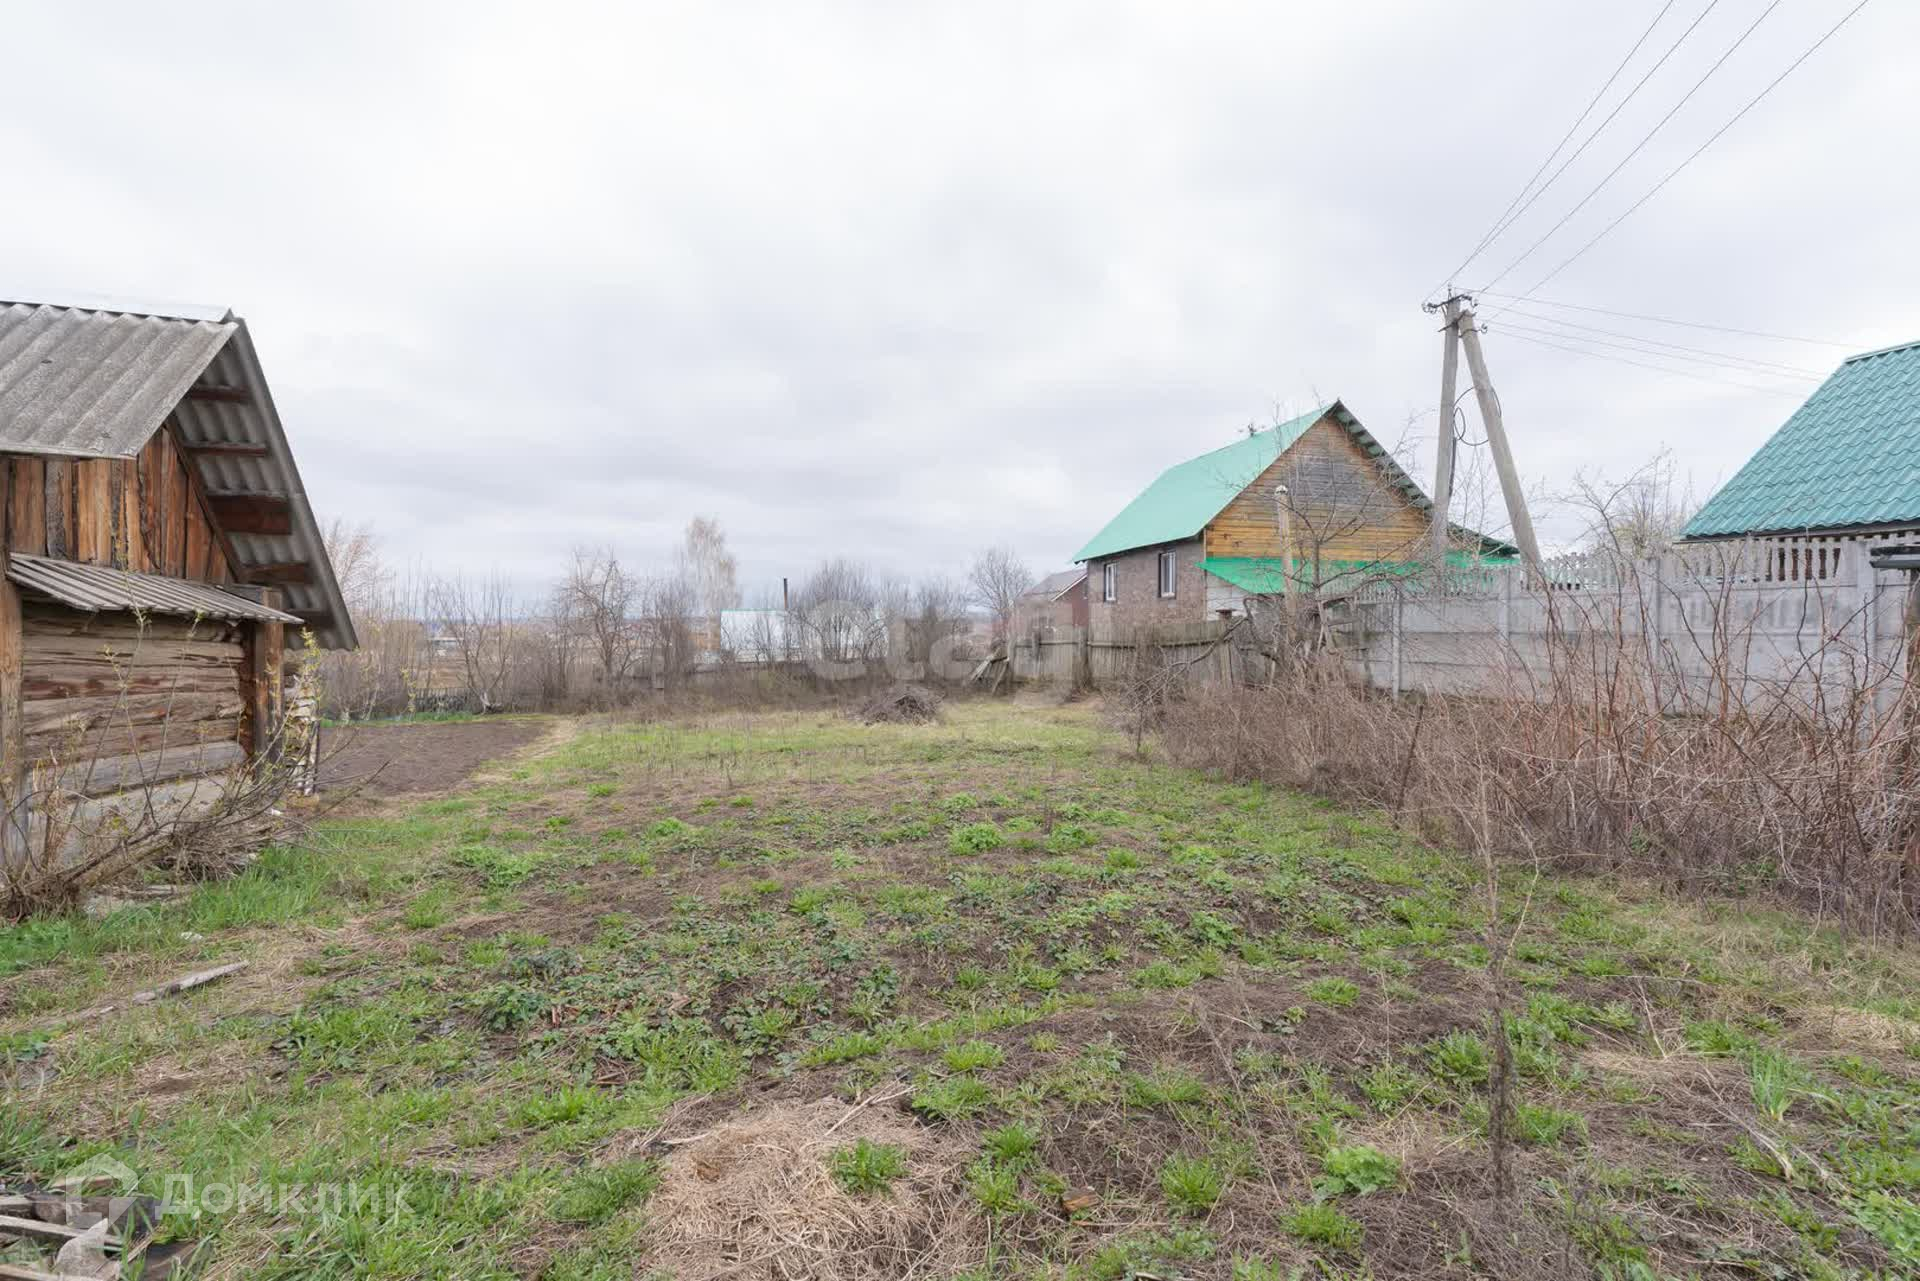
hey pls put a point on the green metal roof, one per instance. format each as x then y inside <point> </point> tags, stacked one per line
<point>1189,494</point>
<point>1264,575</point>
<point>1849,456</point>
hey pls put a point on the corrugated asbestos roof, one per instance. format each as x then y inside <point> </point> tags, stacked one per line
<point>95,383</point>
<point>99,383</point>
<point>1050,587</point>
<point>98,587</point>
<point>1849,456</point>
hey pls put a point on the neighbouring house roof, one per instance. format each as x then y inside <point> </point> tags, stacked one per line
<point>1054,586</point>
<point>98,383</point>
<point>1187,496</point>
<point>1266,576</point>
<point>98,587</point>
<point>1849,456</point>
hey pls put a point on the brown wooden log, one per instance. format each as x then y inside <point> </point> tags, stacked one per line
<point>47,618</point>
<point>113,740</point>
<point>51,684</point>
<point>57,715</point>
<point>229,448</point>
<point>116,774</point>
<point>251,513</point>
<point>137,651</point>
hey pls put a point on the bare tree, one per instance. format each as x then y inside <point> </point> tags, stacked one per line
<point>478,617</point>
<point>711,573</point>
<point>354,551</point>
<point>839,614</point>
<point>597,598</point>
<point>667,608</point>
<point>1635,518</point>
<point>997,577</point>
<point>934,610</point>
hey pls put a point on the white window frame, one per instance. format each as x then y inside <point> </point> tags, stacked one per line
<point>1109,582</point>
<point>1169,575</point>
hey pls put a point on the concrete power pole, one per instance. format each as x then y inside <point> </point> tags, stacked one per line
<point>1517,514</point>
<point>1443,465</point>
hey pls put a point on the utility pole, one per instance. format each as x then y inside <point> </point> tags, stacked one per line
<point>1517,514</point>
<point>1443,465</point>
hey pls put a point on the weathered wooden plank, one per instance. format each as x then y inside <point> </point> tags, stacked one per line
<point>217,392</point>
<point>45,618</point>
<point>37,1229</point>
<point>228,448</point>
<point>199,539</point>
<point>52,682</point>
<point>280,572</point>
<point>119,539</point>
<point>59,507</point>
<point>13,750</point>
<point>251,513</point>
<point>173,504</point>
<point>112,741</point>
<point>73,655</point>
<point>144,769</point>
<point>52,715</point>
<point>27,511</point>
<point>260,679</point>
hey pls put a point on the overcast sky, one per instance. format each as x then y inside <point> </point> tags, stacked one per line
<point>859,279</point>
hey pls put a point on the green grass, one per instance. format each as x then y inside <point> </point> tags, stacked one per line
<point>1321,1224</point>
<point>867,1168</point>
<point>1192,1185</point>
<point>1135,1020</point>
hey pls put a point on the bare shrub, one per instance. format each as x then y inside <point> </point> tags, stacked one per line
<point>903,704</point>
<point>1607,752</point>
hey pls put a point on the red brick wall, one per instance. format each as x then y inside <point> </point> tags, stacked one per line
<point>1139,603</point>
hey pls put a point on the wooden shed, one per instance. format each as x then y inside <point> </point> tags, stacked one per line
<point>159,554</point>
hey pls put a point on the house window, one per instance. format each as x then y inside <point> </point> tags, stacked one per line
<point>1110,582</point>
<point>1166,575</point>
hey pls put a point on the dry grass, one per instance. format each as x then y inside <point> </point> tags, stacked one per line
<point>753,1198</point>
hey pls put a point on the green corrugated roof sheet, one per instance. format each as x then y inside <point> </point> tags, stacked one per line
<point>1188,495</point>
<point>1264,576</point>
<point>1849,456</point>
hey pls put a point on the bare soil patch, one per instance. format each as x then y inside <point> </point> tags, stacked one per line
<point>429,756</point>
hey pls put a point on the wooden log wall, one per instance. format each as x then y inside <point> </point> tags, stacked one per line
<point>147,513</point>
<point>108,702</point>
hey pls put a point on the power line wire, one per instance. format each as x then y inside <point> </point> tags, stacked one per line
<point>1663,369</point>
<point>1768,365</point>
<point>1505,220</point>
<point>1508,327</point>
<point>1664,320</point>
<point>1639,146</point>
<point>1675,171</point>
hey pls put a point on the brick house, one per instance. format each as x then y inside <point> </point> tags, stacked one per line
<point>1206,538</point>
<point>1055,603</point>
